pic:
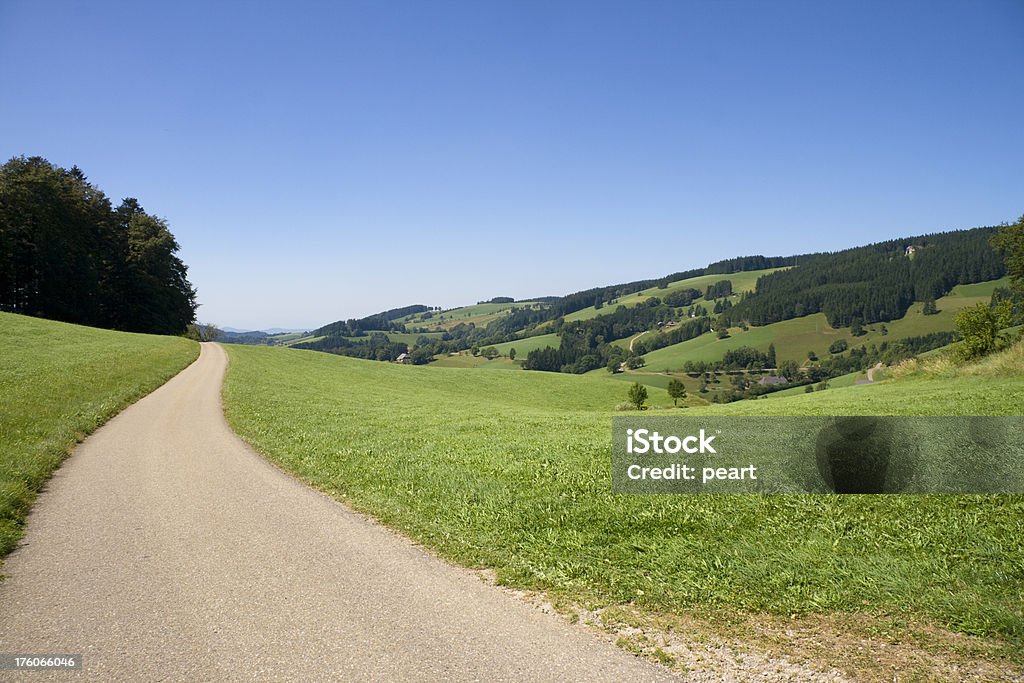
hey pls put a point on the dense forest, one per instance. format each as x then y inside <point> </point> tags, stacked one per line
<point>358,327</point>
<point>66,253</point>
<point>875,283</point>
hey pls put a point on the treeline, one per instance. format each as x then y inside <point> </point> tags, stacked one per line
<point>376,346</point>
<point>745,263</point>
<point>719,289</point>
<point>815,373</point>
<point>379,346</point>
<point>577,301</point>
<point>875,283</point>
<point>357,327</point>
<point>687,330</point>
<point>586,344</point>
<point>858,358</point>
<point>561,306</point>
<point>682,297</point>
<point>66,253</point>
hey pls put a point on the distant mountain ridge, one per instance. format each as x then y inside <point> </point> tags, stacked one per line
<point>269,330</point>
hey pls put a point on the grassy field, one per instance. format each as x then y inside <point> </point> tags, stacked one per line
<point>741,282</point>
<point>59,382</point>
<point>992,387</point>
<point>657,385</point>
<point>792,339</point>
<point>478,314</point>
<point>408,338</point>
<point>524,346</point>
<point>510,471</point>
<point>466,360</point>
<point>288,338</point>
<point>847,380</point>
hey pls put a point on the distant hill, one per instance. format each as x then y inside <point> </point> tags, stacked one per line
<point>284,330</point>
<point>269,330</point>
<point>861,286</point>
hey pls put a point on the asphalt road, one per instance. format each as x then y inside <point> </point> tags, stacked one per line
<point>166,549</point>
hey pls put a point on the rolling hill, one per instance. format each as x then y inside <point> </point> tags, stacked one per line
<point>868,298</point>
<point>795,337</point>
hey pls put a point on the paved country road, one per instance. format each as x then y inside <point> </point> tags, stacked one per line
<point>166,549</point>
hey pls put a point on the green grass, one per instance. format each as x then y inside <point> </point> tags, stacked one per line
<point>287,338</point>
<point>955,392</point>
<point>847,380</point>
<point>408,338</point>
<point>524,346</point>
<point>792,339</point>
<point>512,471</point>
<point>466,360</point>
<point>59,382</point>
<point>479,314</point>
<point>300,339</point>
<point>741,282</point>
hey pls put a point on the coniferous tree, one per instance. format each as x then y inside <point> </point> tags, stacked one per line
<point>66,255</point>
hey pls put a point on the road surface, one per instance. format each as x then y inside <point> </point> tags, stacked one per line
<point>872,370</point>
<point>165,549</point>
<point>635,338</point>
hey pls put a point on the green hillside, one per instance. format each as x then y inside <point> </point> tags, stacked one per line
<point>59,382</point>
<point>741,282</point>
<point>467,360</point>
<point>478,314</point>
<point>510,470</point>
<point>404,337</point>
<point>524,346</point>
<point>794,338</point>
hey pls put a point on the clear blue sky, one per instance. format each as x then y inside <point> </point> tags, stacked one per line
<point>328,160</point>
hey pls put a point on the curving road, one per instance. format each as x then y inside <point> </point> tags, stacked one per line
<point>165,549</point>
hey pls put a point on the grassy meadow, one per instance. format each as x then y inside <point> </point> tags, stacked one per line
<point>527,344</point>
<point>59,382</point>
<point>511,471</point>
<point>478,314</point>
<point>467,360</point>
<point>741,282</point>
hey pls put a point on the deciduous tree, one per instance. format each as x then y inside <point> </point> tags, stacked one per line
<point>677,390</point>
<point>637,395</point>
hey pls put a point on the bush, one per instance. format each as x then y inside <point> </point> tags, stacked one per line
<point>980,328</point>
<point>838,346</point>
